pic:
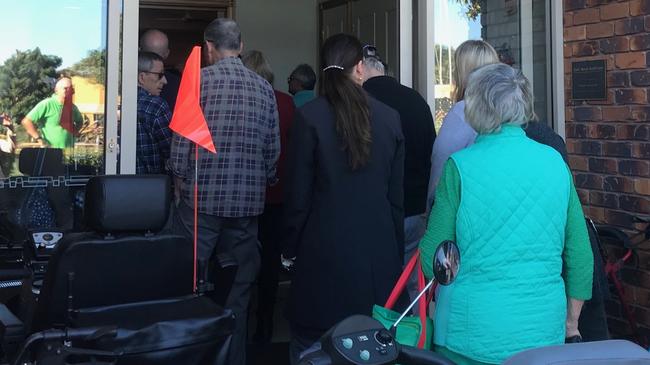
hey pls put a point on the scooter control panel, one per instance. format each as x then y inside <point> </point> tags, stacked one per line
<point>46,240</point>
<point>374,347</point>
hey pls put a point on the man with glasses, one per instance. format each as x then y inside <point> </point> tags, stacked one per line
<point>419,134</point>
<point>301,84</point>
<point>154,135</point>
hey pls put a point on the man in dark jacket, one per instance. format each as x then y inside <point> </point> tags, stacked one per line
<point>419,134</point>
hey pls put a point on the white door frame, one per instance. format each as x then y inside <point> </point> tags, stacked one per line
<point>556,81</point>
<point>111,147</point>
<point>129,115</point>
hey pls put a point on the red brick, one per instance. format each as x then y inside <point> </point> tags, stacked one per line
<point>600,30</point>
<point>619,184</point>
<point>615,113</point>
<point>581,49</point>
<point>614,11</point>
<point>603,166</point>
<point>631,60</point>
<point>629,25</point>
<point>583,195</point>
<point>634,168</point>
<point>640,113</point>
<point>617,149</point>
<point>623,219</point>
<point>601,199</point>
<point>640,78</point>
<point>576,130</point>
<point>639,42</point>
<point>588,181</point>
<point>614,45</point>
<point>639,7</point>
<point>634,132</point>
<point>604,131</point>
<point>631,96</point>
<point>575,33</point>
<point>574,4</point>
<point>568,19</point>
<point>587,113</point>
<point>642,186</point>
<point>634,203</point>
<point>596,213</point>
<point>579,163</point>
<point>568,51</point>
<point>586,16</point>
<point>642,150</point>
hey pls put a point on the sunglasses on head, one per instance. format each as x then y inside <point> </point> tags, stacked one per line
<point>369,51</point>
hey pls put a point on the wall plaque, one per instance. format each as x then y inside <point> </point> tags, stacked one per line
<point>589,80</point>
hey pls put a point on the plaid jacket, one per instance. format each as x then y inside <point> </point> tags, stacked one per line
<point>241,112</point>
<point>154,135</point>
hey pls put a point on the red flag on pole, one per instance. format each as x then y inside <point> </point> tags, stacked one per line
<point>188,119</point>
<point>66,114</point>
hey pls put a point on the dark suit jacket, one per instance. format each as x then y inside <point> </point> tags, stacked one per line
<point>345,227</point>
<point>419,134</point>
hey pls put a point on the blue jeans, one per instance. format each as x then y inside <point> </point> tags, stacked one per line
<point>414,228</point>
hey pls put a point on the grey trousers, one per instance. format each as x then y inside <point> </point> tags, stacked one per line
<point>237,236</point>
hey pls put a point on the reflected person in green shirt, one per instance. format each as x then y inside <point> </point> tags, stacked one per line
<point>43,122</point>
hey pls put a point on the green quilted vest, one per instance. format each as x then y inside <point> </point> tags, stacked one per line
<point>509,295</point>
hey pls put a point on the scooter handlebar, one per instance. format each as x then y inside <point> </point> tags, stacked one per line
<point>413,355</point>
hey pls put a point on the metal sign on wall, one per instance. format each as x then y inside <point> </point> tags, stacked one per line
<point>589,80</point>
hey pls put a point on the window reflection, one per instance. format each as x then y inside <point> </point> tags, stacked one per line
<point>52,107</point>
<point>43,51</point>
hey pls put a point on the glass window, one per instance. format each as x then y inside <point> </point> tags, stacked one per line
<point>52,107</point>
<point>516,29</point>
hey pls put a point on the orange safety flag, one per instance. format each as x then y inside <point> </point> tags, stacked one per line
<point>66,114</point>
<point>188,119</point>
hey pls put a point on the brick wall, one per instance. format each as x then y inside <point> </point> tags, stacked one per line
<point>609,141</point>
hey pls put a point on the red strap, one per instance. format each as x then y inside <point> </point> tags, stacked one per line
<point>422,302</point>
<point>401,282</point>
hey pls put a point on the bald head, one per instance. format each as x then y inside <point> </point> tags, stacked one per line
<point>61,86</point>
<point>155,41</point>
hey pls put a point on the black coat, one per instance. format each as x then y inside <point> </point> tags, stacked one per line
<point>345,227</point>
<point>419,134</point>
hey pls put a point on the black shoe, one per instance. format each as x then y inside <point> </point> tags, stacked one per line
<point>573,339</point>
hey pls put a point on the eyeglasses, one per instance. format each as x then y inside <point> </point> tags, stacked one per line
<point>160,74</point>
<point>370,51</point>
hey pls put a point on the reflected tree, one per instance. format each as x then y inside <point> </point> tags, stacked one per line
<point>472,8</point>
<point>93,66</point>
<point>25,79</point>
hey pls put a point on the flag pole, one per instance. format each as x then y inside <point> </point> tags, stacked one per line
<point>196,209</point>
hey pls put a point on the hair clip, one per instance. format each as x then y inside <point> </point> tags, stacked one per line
<point>333,66</point>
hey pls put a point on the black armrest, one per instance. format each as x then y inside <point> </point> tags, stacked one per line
<point>12,331</point>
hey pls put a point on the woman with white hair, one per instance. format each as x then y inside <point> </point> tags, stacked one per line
<point>510,204</point>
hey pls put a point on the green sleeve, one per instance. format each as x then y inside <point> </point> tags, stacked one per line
<point>442,220</point>
<point>37,113</point>
<point>578,259</point>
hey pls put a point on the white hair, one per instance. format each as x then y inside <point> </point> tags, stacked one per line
<point>374,63</point>
<point>497,94</point>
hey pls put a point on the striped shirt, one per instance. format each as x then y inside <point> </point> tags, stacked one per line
<point>241,112</point>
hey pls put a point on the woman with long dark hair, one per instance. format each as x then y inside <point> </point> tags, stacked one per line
<point>344,199</point>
